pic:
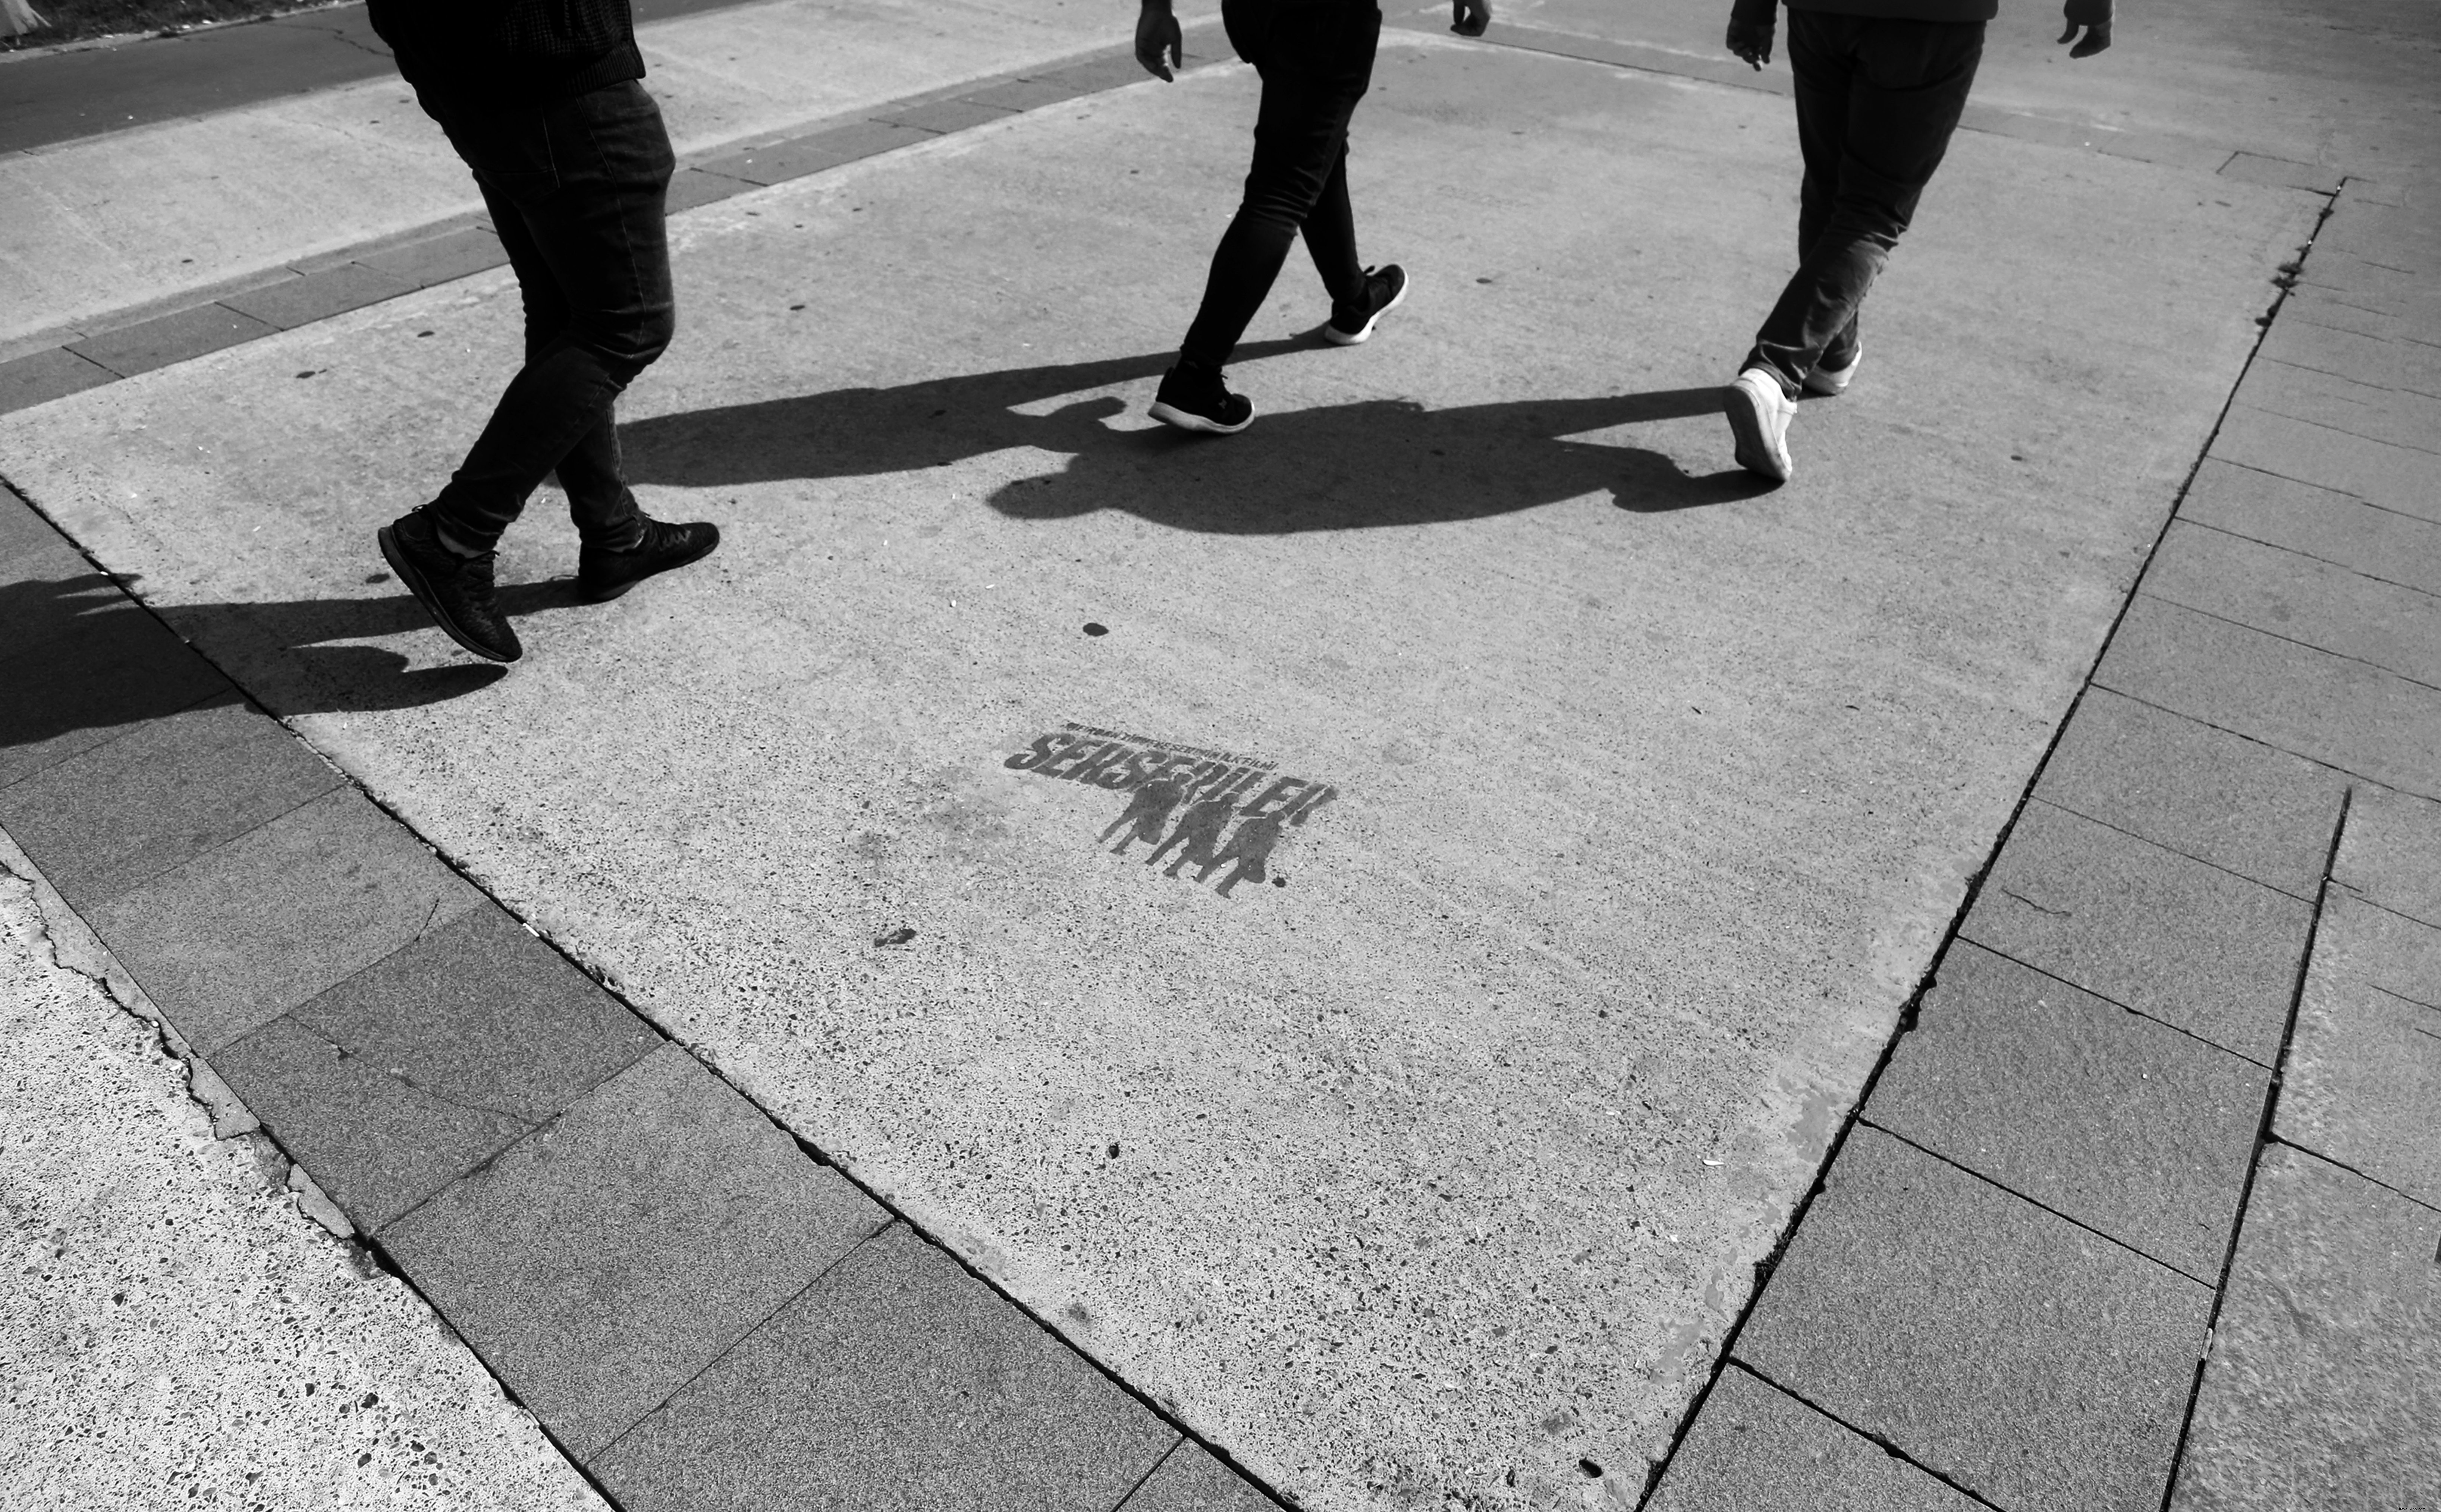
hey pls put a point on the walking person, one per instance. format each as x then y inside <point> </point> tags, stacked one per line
<point>1880,87</point>
<point>544,101</point>
<point>1315,58</point>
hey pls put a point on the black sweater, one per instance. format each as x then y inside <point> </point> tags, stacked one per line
<point>509,52</point>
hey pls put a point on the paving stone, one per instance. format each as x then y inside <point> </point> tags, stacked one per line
<point>2390,854</point>
<point>2368,359</point>
<point>482,1013</point>
<point>2395,478</point>
<point>2298,597</point>
<point>2363,1085</point>
<point>2041,1367</point>
<point>2378,411</point>
<point>778,162</point>
<point>85,665</point>
<point>2330,709</point>
<point>1095,75</point>
<point>2122,1124</point>
<point>373,1139</point>
<point>159,797</point>
<point>2202,792</point>
<point>602,1262</point>
<point>319,295</point>
<point>45,583</point>
<point>2397,292</point>
<point>1190,1480</point>
<point>39,377</point>
<point>438,260</point>
<point>2195,947</point>
<point>2279,172</point>
<point>2391,235</point>
<point>2316,522</point>
<point>1756,1449</point>
<point>1023,93</point>
<point>895,1381</point>
<point>2325,307</point>
<point>237,937</point>
<point>690,186</point>
<point>946,116</point>
<point>2325,1382</point>
<point>173,337</point>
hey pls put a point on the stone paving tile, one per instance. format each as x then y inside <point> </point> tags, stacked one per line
<point>2391,853</point>
<point>2328,707</point>
<point>946,116</point>
<point>2202,792</point>
<point>237,937</point>
<point>318,295</point>
<point>2363,1086</point>
<point>2297,597</point>
<point>2316,522</point>
<point>2119,1123</point>
<point>604,1260</point>
<point>2375,411</point>
<point>97,666</point>
<point>159,797</point>
<point>1191,1480</point>
<point>690,186</point>
<point>2395,478</point>
<point>39,377</point>
<point>895,1381</point>
<point>440,258</point>
<point>2325,307</point>
<point>2279,172</point>
<point>2190,944</point>
<point>2369,359</point>
<point>46,585</point>
<point>2402,294</point>
<point>2325,1382</point>
<point>2037,1365</point>
<point>1023,93</point>
<point>165,339</point>
<point>778,162</point>
<point>374,1141</point>
<point>1756,1449</point>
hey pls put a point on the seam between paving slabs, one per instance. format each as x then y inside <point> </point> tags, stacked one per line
<point>2274,634</point>
<point>2159,845</point>
<point>379,1253</point>
<point>2103,996</point>
<point>1877,1440</point>
<point>2281,545</point>
<point>1913,1009</point>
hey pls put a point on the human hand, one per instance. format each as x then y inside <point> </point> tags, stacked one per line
<point>1469,17</point>
<point>1751,41</point>
<point>2097,37</point>
<point>1159,44</point>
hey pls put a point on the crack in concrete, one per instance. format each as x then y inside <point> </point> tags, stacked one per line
<point>525,1124</point>
<point>2056,913</point>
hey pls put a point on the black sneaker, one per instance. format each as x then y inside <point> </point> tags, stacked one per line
<point>1352,322</point>
<point>455,590</point>
<point>601,576</point>
<point>1195,399</point>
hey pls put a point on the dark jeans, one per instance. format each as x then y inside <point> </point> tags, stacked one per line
<point>1877,102</point>
<point>1316,61</point>
<point>576,190</point>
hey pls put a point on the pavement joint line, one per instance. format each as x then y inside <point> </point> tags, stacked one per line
<point>2064,808</point>
<point>2294,366</point>
<point>2350,772</point>
<point>2078,986</point>
<point>1877,1440</point>
<point>2337,1164</point>
<point>2344,566</point>
<point>2341,430</point>
<point>2390,672</point>
<point>2327,487</point>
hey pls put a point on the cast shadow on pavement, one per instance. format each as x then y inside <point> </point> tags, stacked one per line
<point>1373,462</point>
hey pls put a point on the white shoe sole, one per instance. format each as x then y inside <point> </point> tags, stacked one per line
<point>1172,415</point>
<point>1342,338</point>
<point>1751,425</point>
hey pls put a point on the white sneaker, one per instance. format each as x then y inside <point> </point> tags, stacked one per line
<point>1833,382</point>
<point>1759,415</point>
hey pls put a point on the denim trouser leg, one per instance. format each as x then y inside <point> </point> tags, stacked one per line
<point>576,190</point>
<point>1876,102</point>
<point>1316,61</point>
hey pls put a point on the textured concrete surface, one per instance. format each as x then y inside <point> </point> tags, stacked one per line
<point>1190,1480</point>
<point>2382,624</point>
<point>1648,815</point>
<point>127,670</point>
<point>2363,1080</point>
<point>2324,1381</point>
<point>1756,1449</point>
<point>895,1379</point>
<point>2382,544</point>
<point>2125,1125</point>
<point>2389,854</point>
<point>174,1333</point>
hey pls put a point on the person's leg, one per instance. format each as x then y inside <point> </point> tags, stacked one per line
<point>1330,234</point>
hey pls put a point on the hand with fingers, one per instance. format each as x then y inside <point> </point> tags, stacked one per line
<point>1160,46</point>
<point>1469,17</point>
<point>2095,20</point>
<point>1751,41</point>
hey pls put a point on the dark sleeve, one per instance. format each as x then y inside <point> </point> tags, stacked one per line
<point>2090,12</point>
<point>1766,12</point>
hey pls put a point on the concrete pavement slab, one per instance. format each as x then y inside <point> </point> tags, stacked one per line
<point>604,1262</point>
<point>325,293</point>
<point>2040,1366</point>
<point>1190,1480</point>
<point>2324,1380</point>
<point>2119,1123</point>
<point>164,339</point>
<point>2198,948</point>
<point>2330,709</point>
<point>2316,522</point>
<point>2297,597</point>
<point>241,935</point>
<point>2367,359</point>
<point>2387,856</point>
<point>175,1333</point>
<point>2202,792</point>
<point>42,376</point>
<point>85,666</point>
<point>422,262</point>
<point>896,1379</point>
<point>2254,167</point>
<point>1651,795</point>
<point>2364,1068</point>
<point>2377,412</point>
<point>1756,1449</point>
<point>2395,478</point>
<point>159,797</point>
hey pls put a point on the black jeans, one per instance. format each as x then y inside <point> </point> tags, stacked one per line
<point>1876,102</point>
<point>1317,60</point>
<point>577,190</point>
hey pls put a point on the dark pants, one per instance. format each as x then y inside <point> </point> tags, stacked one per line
<point>1316,61</point>
<point>1877,102</point>
<point>576,190</point>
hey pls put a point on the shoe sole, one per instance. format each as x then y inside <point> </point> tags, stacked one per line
<point>1752,428</point>
<point>417,584</point>
<point>1187,419</point>
<point>1830,385</point>
<point>1341,338</point>
<point>606,595</point>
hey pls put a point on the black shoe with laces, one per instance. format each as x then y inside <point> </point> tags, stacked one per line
<point>603,575</point>
<point>1352,321</point>
<point>455,590</point>
<point>1196,399</point>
